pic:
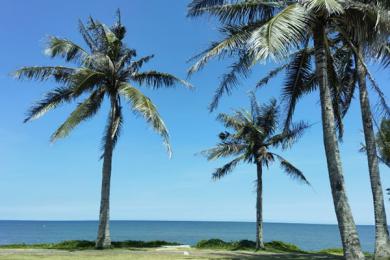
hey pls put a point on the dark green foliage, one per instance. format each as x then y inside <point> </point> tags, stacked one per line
<point>383,140</point>
<point>273,246</point>
<point>213,244</point>
<point>283,247</point>
<point>142,244</point>
<point>104,69</point>
<point>252,135</point>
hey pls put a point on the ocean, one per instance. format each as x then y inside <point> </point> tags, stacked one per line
<point>306,236</point>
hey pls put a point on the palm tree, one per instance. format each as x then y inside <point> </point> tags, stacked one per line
<point>347,70</point>
<point>107,70</point>
<point>253,135</point>
<point>271,29</point>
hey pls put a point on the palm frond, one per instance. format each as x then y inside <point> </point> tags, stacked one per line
<point>268,118</point>
<point>289,136</point>
<point>235,39</point>
<point>42,73</point>
<point>291,170</point>
<point>384,55</point>
<point>336,92</point>
<point>230,121</point>
<point>136,65</point>
<point>84,110</point>
<point>227,168</point>
<point>144,106</point>
<point>125,58</point>
<point>236,12</point>
<point>85,80</point>
<point>383,141</point>
<point>298,76</point>
<point>286,30</point>
<point>255,107</point>
<point>65,49</point>
<point>230,79</point>
<point>224,149</point>
<point>382,106</point>
<point>271,74</point>
<point>87,37</point>
<point>330,6</point>
<point>49,102</point>
<point>158,79</point>
<point>196,6</point>
<point>343,61</point>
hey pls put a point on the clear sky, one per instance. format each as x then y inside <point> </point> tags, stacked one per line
<point>61,181</point>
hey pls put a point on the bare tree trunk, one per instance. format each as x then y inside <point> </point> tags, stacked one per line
<point>103,238</point>
<point>259,208</point>
<point>382,242</point>
<point>347,227</point>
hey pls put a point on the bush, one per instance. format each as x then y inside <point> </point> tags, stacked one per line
<point>283,247</point>
<point>73,245</point>
<point>140,244</point>
<point>244,244</point>
<point>213,244</point>
<point>275,246</point>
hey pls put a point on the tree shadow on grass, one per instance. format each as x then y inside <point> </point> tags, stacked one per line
<point>276,256</point>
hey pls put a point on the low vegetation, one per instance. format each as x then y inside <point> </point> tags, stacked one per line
<point>274,246</point>
<point>214,244</point>
<point>85,244</point>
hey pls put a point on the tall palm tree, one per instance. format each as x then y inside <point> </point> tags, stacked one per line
<point>254,134</point>
<point>348,72</point>
<point>272,29</point>
<point>107,70</point>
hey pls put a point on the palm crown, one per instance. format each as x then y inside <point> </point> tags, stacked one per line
<point>258,30</point>
<point>108,69</point>
<point>252,135</point>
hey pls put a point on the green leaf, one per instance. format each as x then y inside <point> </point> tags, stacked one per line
<point>158,79</point>
<point>331,6</point>
<point>84,110</point>
<point>66,49</point>
<point>144,106</point>
<point>276,38</point>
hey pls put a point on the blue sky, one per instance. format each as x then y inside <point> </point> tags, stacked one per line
<point>39,180</point>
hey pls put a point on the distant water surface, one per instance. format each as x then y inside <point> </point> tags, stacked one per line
<point>306,236</point>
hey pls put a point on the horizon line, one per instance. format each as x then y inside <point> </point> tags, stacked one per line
<point>151,220</point>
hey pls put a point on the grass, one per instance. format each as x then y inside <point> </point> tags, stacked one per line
<point>85,244</point>
<point>205,249</point>
<point>93,257</point>
<point>273,247</point>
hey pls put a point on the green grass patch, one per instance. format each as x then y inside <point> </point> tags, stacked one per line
<point>85,244</point>
<point>331,251</point>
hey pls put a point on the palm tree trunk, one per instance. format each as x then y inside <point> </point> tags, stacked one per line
<point>259,208</point>
<point>382,242</point>
<point>103,238</point>
<point>347,227</point>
